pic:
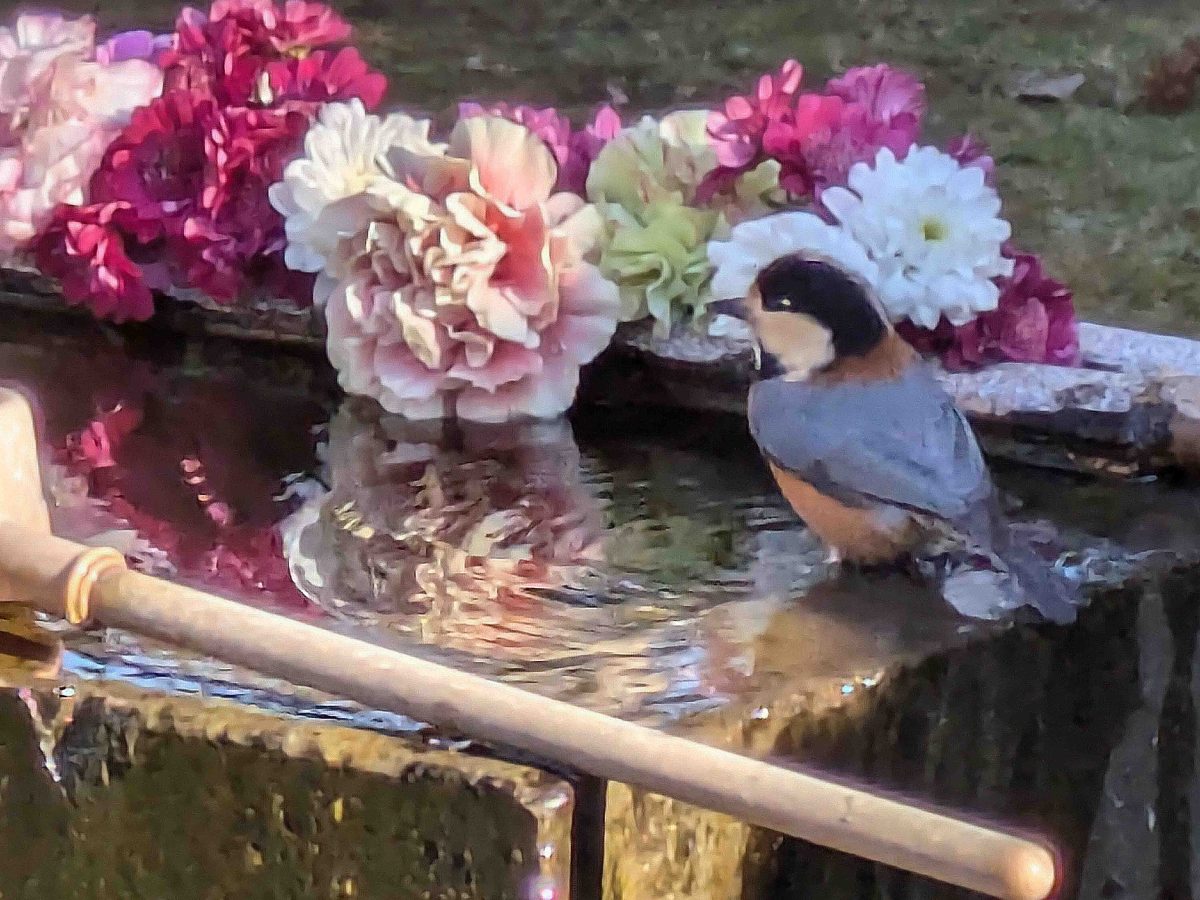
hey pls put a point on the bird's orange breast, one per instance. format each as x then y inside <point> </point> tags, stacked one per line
<point>871,535</point>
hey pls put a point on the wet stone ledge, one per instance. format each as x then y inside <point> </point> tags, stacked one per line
<point>1086,733</point>
<point>1133,407</point>
<point>109,791</point>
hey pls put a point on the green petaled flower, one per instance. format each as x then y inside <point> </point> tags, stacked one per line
<point>654,248</point>
<point>659,261</point>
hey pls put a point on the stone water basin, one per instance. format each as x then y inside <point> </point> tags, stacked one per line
<point>635,563</point>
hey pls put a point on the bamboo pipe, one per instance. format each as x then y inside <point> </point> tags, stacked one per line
<point>93,584</point>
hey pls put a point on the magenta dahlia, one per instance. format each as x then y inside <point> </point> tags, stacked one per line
<point>85,250</point>
<point>1033,322</point>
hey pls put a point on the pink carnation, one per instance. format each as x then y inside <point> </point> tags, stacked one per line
<point>1033,322</point>
<point>574,151</point>
<point>473,289</point>
<point>85,251</point>
<point>184,188</point>
<point>28,54</point>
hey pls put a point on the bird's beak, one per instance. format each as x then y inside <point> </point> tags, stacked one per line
<point>734,307</point>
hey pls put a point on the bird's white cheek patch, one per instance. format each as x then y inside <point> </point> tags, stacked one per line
<point>798,341</point>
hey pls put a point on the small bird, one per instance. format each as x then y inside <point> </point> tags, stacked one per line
<point>870,451</point>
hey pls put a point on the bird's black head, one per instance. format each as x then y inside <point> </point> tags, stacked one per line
<point>807,313</point>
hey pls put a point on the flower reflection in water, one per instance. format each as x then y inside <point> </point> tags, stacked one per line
<point>496,543</point>
<point>434,516</point>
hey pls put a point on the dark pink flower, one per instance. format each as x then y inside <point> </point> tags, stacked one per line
<point>892,104</point>
<point>586,145</point>
<point>797,139</point>
<point>228,50</point>
<point>737,129</point>
<point>322,77</point>
<point>574,151</point>
<point>155,168</point>
<point>85,251</point>
<point>231,238</point>
<point>1033,322</point>
<point>295,27</point>
<point>968,150</point>
<point>815,138</point>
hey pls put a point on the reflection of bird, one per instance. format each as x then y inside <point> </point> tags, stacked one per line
<point>868,449</point>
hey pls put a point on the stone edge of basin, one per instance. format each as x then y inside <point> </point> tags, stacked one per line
<point>1132,408</point>
<point>549,798</point>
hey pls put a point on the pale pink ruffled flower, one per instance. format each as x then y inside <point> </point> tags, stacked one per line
<point>468,292</point>
<point>574,151</point>
<point>52,166</point>
<point>59,110</point>
<point>28,53</point>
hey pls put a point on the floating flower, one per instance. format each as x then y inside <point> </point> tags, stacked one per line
<point>752,246</point>
<point>86,253</point>
<point>659,262</point>
<point>1033,322</point>
<point>322,195</point>
<point>470,285</point>
<point>574,151</point>
<point>934,229</point>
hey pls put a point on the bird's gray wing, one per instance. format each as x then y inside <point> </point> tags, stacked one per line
<point>901,442</point>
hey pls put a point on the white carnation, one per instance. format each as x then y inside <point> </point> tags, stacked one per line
<point>752,246</point>
<point>933,227</point>
<point>345,154</point>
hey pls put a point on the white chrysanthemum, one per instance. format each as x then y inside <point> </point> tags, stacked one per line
<point>934,229</point>
<point>752,246</point>
<point>345,153</point>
